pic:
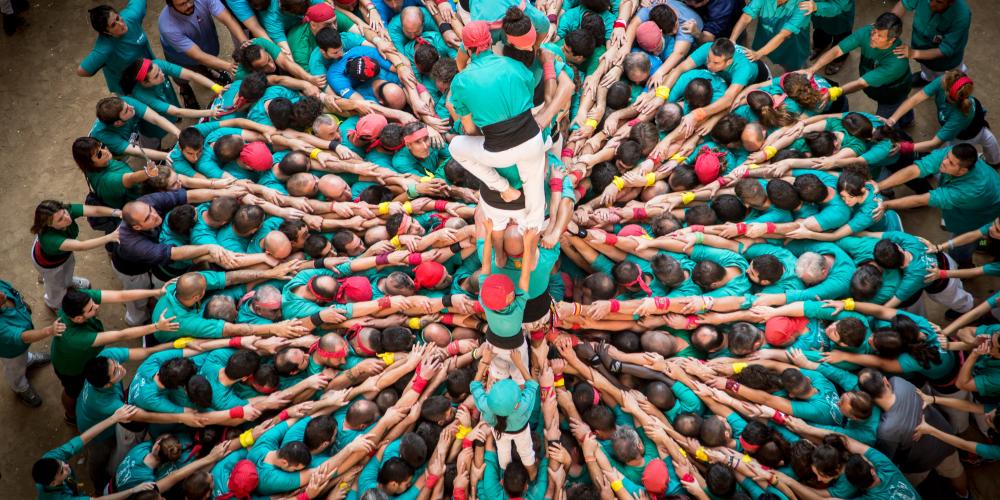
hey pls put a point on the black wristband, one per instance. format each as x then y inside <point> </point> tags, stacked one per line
<point>317,319</point>
<point>445,27</point>
<point>455,247</point>
<point>616,366</point>
<point>322,263</point>
<point>582,233</point>
<point>333,144</point>
<point>446,300</point>
<point>481,326</point>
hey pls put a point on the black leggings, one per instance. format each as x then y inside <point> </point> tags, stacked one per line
<point>824,41</point>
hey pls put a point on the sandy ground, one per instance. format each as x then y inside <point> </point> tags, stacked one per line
<point>45,106</point>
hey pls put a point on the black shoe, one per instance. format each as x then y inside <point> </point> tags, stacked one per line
<point>30,397</point>
<point>11,22</point>
<point>20,6</point>
<point>917,80</point>
<point>188,98</point>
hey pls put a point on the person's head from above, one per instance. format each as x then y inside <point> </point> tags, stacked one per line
<point>682,178</point>
<point>106,21</point>
<point>320,433</point>
<point>822,143</point>
<point>291,361</point>
<point>708,275</point>
<point>140,216</point>
<point>368,129</point>
<point>221,211</point>
<point>90,155</point>
<point>800,461</point>
<point>626,446</point>
<point>578,46</point>
<point>443,72</point>
<point>330,43</point>
<point>847,332</point>
<point>190,288</point>
<point>431,276</point>
<point>597,286</point>
<point>710,163</point>
<point>698,93</point>
<point>689,424</point>
<point>744,339</point>
<point>721,481</point>
<point>658,342</point>
<point>700,215</point>
<point>720,55</point>
<point>619,95</point>
<point>628,275</point>
<point>303,185</point>
<point>320,16</point>
<point>393,339</point>
<point>331,350</point>
<point>770,109</point>
<point>858,125</point>
<point>255,58</point>
<point>628,154</point>
<point>51,214</point>
<point>764,270</point>
<point>175,373</point>
<point>728,130</point>
<point>959,160</point>
<point>360,414</point>
<point>386,399</point>
<point>276,245</point>
<point>228,148</point>
<point>114,111</point>
<point>663,224</point>
<point>413,449</point>
<point>715,431</point>
<point>241,365</point>
<point>296,232</point>
<point>829,458</point>
<point>347,243</point>
<point>888,255</point>
<point>395,283</point>
<point>782,194</point>
<point>292,457</point>
<point>856,405</point>
<point>885,31</point>
<point>636,67</point>
<point>594,24</point>
<point>437,409</point>
<point>796,384</point>
<point>811,268</point>
<point>190,143</point>
<point>142,72</point>
<point>668,116</point>
<point>646,134</point>
<point>221,307</point>
<point>811,189</point>
<point>585,399</point>
<point>104,372</point>
<point>417,140</point>
<point>295,162</point>
<point>248,219</point>
<point>753,136</point>
<point>476,37</point>
<point>266,302</point>
<point>752,193</point>
<point>707,339</point>
<point>801,89</point>
<point>649,37</point>
<point>305,111</point>
<point>425,56</point>
<point>518,28</point>
<point>866,281</point>
<point>317,247</point>
<point>958,89</point>
<point>660,395</point>
<point>851,186</point>
<point>251,89</point>
<point>860,473</point>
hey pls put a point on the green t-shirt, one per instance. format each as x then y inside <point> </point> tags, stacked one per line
<point>75,347</point>
<point>116,137</point>
<point>112,55</point>
<point>773,18</point>
<point>270,47</point>
<point>50,238</point>
<point>95,404</point>
<point>947,31</point>
<point>109,184</point>
<point>952,120</point>
<point>741,71</point>
<point>966,202</point>
<point>737,285</point>
<point>161,97</point>
<point>838,280</point>
<point>789,280</point>
<point>509,83</point>
<point>887,76</point>
<point>67,490</point>
<point>14,321</point>
<point>820,408</point>
<point>143,391</point>
<point>192,321</point>
<point>892,483</point>
<point>506,322</point>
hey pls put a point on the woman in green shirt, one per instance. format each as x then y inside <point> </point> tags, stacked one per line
<point>146,80</point>
<point>111,182</point>
<point>55,233</point>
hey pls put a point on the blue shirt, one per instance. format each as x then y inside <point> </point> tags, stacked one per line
<point>178,33</point>
<point>139,251</point>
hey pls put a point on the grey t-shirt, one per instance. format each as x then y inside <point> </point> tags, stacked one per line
<point>895,431</point>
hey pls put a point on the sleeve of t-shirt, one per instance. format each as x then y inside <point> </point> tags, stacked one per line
<point>214,280</point>
<point>602,264</point>
<point>216,7</point>
<point>753,8</point>
<point>490,485</point>
<point>317,65</point>
<point>335,77</point>
<point>96,58</point>
<point>945,197</point>
<point>955,40</point>
<point>988,451</point>
<point>700,56</point>
<point>175,38</point>
<point>846,380</point>
<point>66,451</point>
<point>241,9</point>
<point>270,18</point>
<point>951,128</point>
<point>119,354</point>
<point>931,163</point>
<point>797,22</point>
<point>854,41</point>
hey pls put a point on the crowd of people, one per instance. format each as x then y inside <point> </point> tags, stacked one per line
<point>499,249</point>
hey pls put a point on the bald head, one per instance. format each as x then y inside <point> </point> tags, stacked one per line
<point>376,234</point>
<point>668,116</point>
<point>412,22</point>
<point>267,294</point>
<point>332,342</point>
<point>334,187</point>
<point>393,96</point>
<point>302,184</point>
<point>140,216</point>
<point>190,287</point>
<point>361,414</point>
<point>753,137</point>
<point>513,242</point>
<point>277,245</point>
<point>659,342</point>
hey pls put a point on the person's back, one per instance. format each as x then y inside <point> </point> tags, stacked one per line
<point>895,430</point>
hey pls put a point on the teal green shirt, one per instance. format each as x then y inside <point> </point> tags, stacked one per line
<point>952,120</point>
<point>109,184</point>
<point>116,137</point>
<point>966,202</point>
<point>14,321</point>
<point>68,489</point>
<point>947,31</point>
<point>509,84</point>
<point>98,403</point>
<point>887,76</point>
<point>741,71</point>
<point>772,19</point>
<point>191,319</point>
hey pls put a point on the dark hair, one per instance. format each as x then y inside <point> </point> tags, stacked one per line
<point>706,346</point>
<point>852,181</point>
<point>743,338</point>
<point>228,148</point>
<point>74,302</point>
<point>619,95</point>
<point>706,273</point>
<point>305,111</point>
<point>176,372</point>
<point>859,472</point>
<point>242,363</point>
<point>44,470</point>
<point>698,93</point>
<point>295,453</point>
<point>866,281</point>
<point>889,22</point>
<point>689,424</point>
<point>435,408</point>
<point>713,431</point>
<point>800,89</point>
<point>966,154</point>
<point>253,87</point>
<point>820,143</point>
<point>601,286</point>
<point>729,208</point>
<point>660,394</point>
<point>515,23</point>
<point>109,109</point>
<point>315,246</point>
<point>858,125</point>
<point>100,17</point>
<point>747,189</point>
<point>872,381</point>
<point>768,268</point>
<point>280,110</point>
<point>723,47</point>
<point>829,458</point>
<point>682,178</point>
<point>664,224</point>
<point>852,331</point>
<point>810,188</point>
<point>413,449</point>
<point>83,151</point>
<point>888,254</point>
<point>515,478</point>
<point>43,214</point>
<point>444,70</point>
<point>664,17</point>
<point>328,38</point>
<point>783,195</point>
<point>581,42</point>
<point>128,79</point>
<point>396,470</point>
<point>667,269</point>
<point>759,377</point>
<point>319,430</point>
<point>594,24</point>
<point>728,129</point>
<point>96,371</point>
<point>721,480</point>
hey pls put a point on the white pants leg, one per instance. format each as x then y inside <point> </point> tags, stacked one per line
<point>503,367</point>
<point>15,371</point>
<point>136,312</point>
<point>930,74</point>
<point>528,157</point>
<point>501,218</point>
<point>987,141</point>
<point>954,296</point>
<point>521,440</point>
<point>56,280</point>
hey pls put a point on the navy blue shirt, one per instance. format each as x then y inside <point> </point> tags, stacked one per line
<point>720,16</point>
<point>140,251</point>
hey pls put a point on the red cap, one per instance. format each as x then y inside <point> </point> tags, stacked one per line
<point>476,36</point>
<point>632,230</point>
<point>319,13</point>
<point>655,477</point>
<point>494,292</point>
<point>371,125</point>
<point>243,480</point>
<point>354,289</point>
<point>649,37</point>
<point>256,156</point>
<point>781,330</point>
<point>707,167</point>
<point>428,275</point>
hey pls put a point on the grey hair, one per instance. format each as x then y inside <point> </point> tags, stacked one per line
<point>323,119</point>
<point>625,443</point>
<point>809,267</point>
<point>268,293</point>
<point>221,307</point>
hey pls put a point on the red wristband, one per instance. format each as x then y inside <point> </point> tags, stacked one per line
<point>906,147</point>
<point>382,259</point>
<point>610,239</point>
<point>236,412</point>
<point>235,342</point>
<point>448,319</point>
<point>779,418</point>
<point>698,228</point>
<point>741,228</point>
<point>459,493</point>
<point>552,19</point>
<point>576,174</point>
<point>414,259</point>
<point>419,384</point>
<point>771,227</point>
<point>639,213</point>
<point>687,478</point>
<point>692,320</point>
<point>555,184</point>
<point>431,480</point>
<point>633,122</point>
<point>439,2</point>
<point>723,181</point>
<point>441,205</point>
<point>943,274</point>
<point>302,496</point>
<point>619,24</point>
<point>661,303</point>
<point>567,153</point>
<point>615,306</point>
<point>384,302</point>
<point>466,443</point>
<point>283,415</point>
<point>453,349</point>
<point>479,307</point>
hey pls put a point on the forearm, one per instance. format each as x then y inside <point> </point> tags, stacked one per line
<point>774,43</point>
<point>36,334</point>
<point>907,202</point>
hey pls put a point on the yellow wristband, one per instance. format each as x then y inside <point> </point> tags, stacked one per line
<point>217,88</point>
<point>182,342</point>
<point>663,92</point>
<point>383,208</point>
<point>559,383</point>
<point>738,367</point>
<point>426,178</point>
<point>246,439</point>
<point>687,197</point>
<point>746,458</point>
<point>835,93</point>
<point>395,242</point>
<point>345,486</point>
<point>618,182</point>
<point>590,122</point>
<point>407,207</point>
<point>679,158</point>
<point>650,179</point>
<point>848,304</point>
<point>616,485</point>
<point>388,357</point>
<point>414,323</point>
<point>701,455</point>
<point>314,154</point>
<point>752,166</point>
<point>770,151</point>
<point>462,432</point>
<point>683,453</point>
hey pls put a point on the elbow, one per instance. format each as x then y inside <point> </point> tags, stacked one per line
<point>966,385</point>
<point>83,73</point>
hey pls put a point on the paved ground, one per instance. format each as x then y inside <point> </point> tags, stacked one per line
<point>45,106</point>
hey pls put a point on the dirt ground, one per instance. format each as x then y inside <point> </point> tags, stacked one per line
<point>46,106</point>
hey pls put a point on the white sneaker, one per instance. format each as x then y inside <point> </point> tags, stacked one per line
<point>81,283</point>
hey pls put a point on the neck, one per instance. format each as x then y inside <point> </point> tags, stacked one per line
<point>886,402</point>
<point>224,379</point>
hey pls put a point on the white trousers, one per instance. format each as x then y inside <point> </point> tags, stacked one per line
<point>985,140</point>
<point>502,365</point>
<point>954,296</point>
<point>501,218</point>
<point>136,312</point>
<point>522,440</point>
<point>529,157</point>
<point>15,371</point>
<point>56,280</point>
